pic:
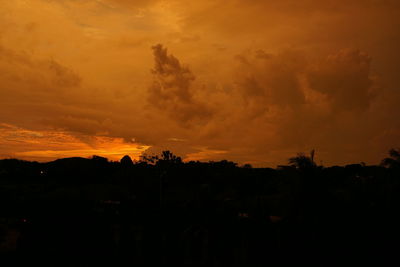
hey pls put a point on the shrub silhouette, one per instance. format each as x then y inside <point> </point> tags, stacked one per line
<point>394,160</point>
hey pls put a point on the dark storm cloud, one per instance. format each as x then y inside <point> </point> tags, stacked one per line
<point>266,80</point>
<point>346,79</point>
<point>172,89</point>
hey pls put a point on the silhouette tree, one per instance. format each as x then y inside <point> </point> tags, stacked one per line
<point>394,160</point>
<point>148,159</point>
<point>168,157</point>
<point>303,162</point>
<point>126,161</point>
<point>247,166</point>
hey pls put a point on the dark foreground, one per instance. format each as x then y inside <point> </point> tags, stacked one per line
<point>91,212</point>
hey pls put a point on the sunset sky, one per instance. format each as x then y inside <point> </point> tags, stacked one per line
<point>252,81</point>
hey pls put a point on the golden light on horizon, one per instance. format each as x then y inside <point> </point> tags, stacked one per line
<point>50,145</point>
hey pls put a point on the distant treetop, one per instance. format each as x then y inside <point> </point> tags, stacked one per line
<point>126,161</point>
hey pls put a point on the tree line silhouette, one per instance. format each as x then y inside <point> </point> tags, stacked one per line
<point>163,211</point>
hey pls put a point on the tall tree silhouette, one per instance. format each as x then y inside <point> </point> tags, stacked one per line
<point>303,162</point>
<point>394,160</point>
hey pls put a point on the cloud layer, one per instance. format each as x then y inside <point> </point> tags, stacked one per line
<point>256,83</point>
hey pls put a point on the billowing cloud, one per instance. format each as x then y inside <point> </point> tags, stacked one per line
<point>28,85</point>
<point>172,90</point>
<point>266,80</point>
<point>345,79</point>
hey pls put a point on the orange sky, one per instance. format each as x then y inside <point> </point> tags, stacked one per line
<point>253,81</point>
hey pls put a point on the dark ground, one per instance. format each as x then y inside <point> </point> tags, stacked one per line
<point>92,212</point>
